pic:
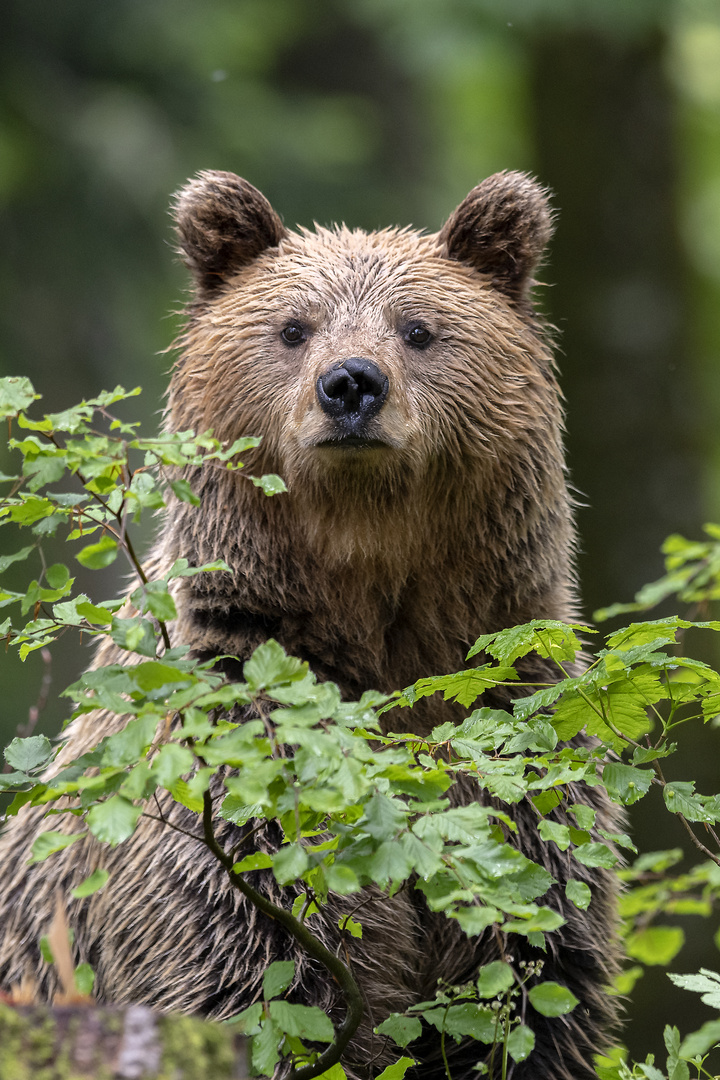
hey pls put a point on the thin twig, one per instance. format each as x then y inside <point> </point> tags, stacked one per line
<point>308,942</point>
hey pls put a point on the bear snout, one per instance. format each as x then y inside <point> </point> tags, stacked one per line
<point>351,392</point>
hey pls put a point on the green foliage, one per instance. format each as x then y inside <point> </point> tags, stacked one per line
<point>356,804</point>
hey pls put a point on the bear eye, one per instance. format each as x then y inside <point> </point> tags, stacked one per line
<point>419,336</point>
<point>293,334</point>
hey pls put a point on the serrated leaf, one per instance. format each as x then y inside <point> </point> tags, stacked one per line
<point>171,762</point>
<point>270,664</point>
<point>495,978</point>
<point>303,1021</point>
<point>136,635</point>
<point>28,754</point>
<point>16,393</point>
<point>551,999</point>
<point>91,884</point>
<point>680,798</point>
<point>270,483</point>
<point>706,982</point>
<point>127,746</point>
<point>626,784</point>
<point>114,820</point>
<point>155,598</point>
<point>277,978</point>
<point>474,920</point>
<point>401,1029</point>
<point>96,556</point>
<point>47,843</point>
<point>289,863</point>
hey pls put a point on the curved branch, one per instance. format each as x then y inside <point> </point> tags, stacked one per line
<point>308,942</point>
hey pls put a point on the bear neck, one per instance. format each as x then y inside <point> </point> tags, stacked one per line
<point>407,599</point>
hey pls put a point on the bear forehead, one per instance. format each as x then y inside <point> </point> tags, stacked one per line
<point>329,269</point>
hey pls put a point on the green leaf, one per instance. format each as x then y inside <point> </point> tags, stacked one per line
<point>28,754</point>
<point>676,1069</point>
<point>181,568</point>
<point>707,983</point>
<point>469,1018</point>
<point>270,665</point>
<point>171,762</point>
<point>551,999</point>
<point>277,978</point>
<point>183,491</point>
<point>289,863</point>
<point>699,1042</point>
<point>91,884</point>
<point>579,894</point>
<point>47,843</point>
<point>655,944</point>
<point>595,854</point>
<point>384,817</point>
<point>548,637</point>
<point>474,920</point>
<point>127,746</point>
<point>96,556</point>
<point>303,1021</point>
<point>680,799</point>
<point>521,1042</point>
<point>494,979</point>
<point>259,860</point>
<point>6,560</point>
<point>270,483</point>
<point>626,784</point>
<point>136,635</point>
<point>155,598</point>
<point>114,820</point>
<point>401,1029</point>
<point>16,393</point>
<point>397,1070</point>
<point>352,926</point>
<point>553,830</point>
<point>265,1054</point>
<point>84,979</point>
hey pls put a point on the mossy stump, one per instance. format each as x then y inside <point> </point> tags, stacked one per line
<point>85,1042</point>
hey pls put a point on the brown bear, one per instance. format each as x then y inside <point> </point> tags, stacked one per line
<point>404,388</point>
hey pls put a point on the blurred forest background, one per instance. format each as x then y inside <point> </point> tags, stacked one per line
<point>379,112</point>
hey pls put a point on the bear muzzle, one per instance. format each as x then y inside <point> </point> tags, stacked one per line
<point>351,393</point>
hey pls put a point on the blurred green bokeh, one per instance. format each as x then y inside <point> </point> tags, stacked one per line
<point>378,112</point>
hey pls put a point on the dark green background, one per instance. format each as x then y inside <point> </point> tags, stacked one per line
<point>378,112</point>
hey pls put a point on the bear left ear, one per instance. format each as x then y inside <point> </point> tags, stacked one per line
<point>223,223</point>
<point>501,229</point>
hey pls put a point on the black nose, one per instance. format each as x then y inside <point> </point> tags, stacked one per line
<point>354,386</point>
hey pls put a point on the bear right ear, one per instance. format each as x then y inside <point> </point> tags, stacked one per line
<point>223,223</point>
<point>501,228</point>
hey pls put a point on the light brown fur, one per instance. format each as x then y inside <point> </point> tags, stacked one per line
<point>382,563</point>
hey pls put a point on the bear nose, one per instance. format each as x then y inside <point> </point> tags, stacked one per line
<point>354,385</point>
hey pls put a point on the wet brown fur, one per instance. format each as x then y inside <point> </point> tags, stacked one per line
<point>382,564</point>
